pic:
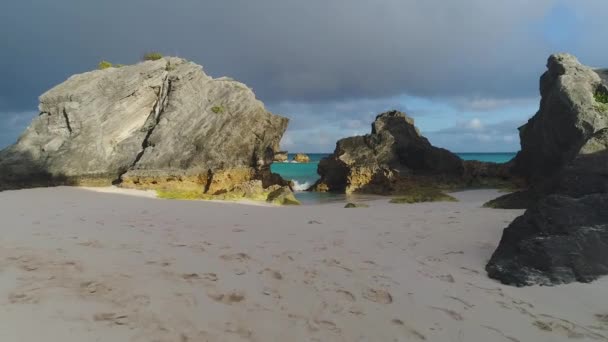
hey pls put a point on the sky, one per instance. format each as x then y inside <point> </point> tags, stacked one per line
<point>467,71</point>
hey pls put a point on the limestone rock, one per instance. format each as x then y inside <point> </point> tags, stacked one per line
<point>385,161</point>
<point>156,124</point>
<point>281,156</point>
<point>567,118</point>
<point>282,196</point>
<point>588,172</point>
<point>301,158</point>
<point>563,237</point>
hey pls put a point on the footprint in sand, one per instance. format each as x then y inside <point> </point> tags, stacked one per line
<point>91,243</point>
<point>210,276</point>
<point>377,296</point>
<point>26,263</point>
<point>346,295</point>
<point>566,328</point>
<point>336,263</point>
<point>238,329</point>
<point>239,271</point>
<point>110,317</point>
<point>411,331</point>
<point>191,276</point>
<point>448,278</point>
<point>510,338</point>
<point>286,256</point>
<point>466,304</point>
<point>227,298</point>
<point>453,314</point>
<point>24,297</point>
<point>316,325</point>
<point>240,257</point>
<point>272,273</point>
<point>93,287</point>
<point>327,325</point>
<point>470,270</point>
<point>189,299</point>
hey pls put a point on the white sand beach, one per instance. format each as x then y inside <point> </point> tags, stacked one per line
<point>78,265</point>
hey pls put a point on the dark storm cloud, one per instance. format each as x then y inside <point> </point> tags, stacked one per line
<point>286,50</point>
<point>291,51</point>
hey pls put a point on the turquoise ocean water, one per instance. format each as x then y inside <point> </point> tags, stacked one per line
<point>304,175</point>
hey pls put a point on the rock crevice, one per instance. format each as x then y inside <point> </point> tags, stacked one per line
<point>157,111</point>
<point>67,120</point>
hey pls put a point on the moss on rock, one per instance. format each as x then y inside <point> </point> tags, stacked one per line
<point>423,194</point>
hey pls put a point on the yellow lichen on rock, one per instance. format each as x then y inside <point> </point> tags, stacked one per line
<point>227,185</point>
<point>251,190</point>
<point>320,187</point>
<point>225,180</point>
<point>301,158</point>
<point>184,183</point>
<point>358,178</point>
<point>282,196</point>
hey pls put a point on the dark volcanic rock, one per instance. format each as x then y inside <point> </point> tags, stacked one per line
<point>563,237</point>
<point>156,124</point>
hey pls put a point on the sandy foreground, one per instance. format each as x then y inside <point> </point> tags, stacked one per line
<point>78,265</point>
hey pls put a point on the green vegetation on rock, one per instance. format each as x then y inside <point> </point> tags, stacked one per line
<point>274,195</point>
<point>423,194</point>
<point>104,65</point>
<point>217,109</point>
<point>282,196</point>
<point>152,56</point>
<point>601,99</point>
<point>180,194</point>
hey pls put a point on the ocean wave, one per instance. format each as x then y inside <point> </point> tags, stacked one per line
<point>297,186</point>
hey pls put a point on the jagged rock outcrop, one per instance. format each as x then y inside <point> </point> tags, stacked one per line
<point>156,124</point>
<point>563,237</point>
<point>301,158</point>
<point>568,116</point>
<point>387,160</point>
<point>281,156</point>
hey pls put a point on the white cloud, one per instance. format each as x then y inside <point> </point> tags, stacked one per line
<point>474,124</point>
<point>475,136</point>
